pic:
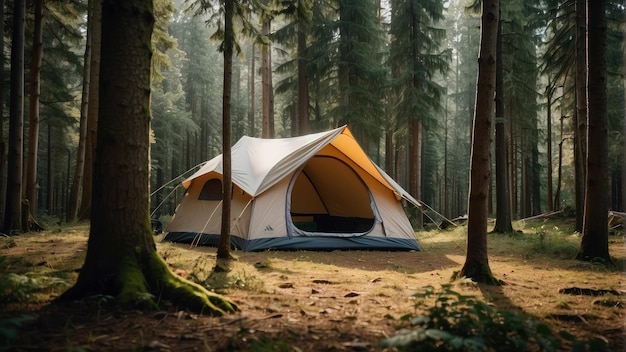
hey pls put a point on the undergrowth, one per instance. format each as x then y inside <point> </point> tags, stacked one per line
<point>16,288</point>
<point>446,320</point>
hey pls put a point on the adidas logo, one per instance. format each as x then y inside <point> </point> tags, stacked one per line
<point>269,228</point>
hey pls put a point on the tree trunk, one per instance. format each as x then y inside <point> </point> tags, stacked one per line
<point>549,148</point>
<point>121,256</point>
<point>580,131</point>
<point>503,210</point>
<point>303,91</point>
<point>3,146</point>
<point>389,151</point>
<point>13,209</point>
<point>95,28</point>
<point>595,240</point>
<point>252,116</point>
<point>271,89</point>
<point>476,261</point>
<point>415,159</point>
<point>513,162</point>
<point>266,79</point>
<point>79,171</point>
<point>33,126</point>
<point>623,180</point>
<point>223,248</point>
<point>559,173</point>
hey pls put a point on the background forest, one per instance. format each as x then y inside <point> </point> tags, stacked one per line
<point>400,73</point>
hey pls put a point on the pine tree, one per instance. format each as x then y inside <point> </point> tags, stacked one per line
<point>121,256</point>
<point>476,264</point>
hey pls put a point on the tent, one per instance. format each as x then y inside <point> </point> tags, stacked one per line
<point>316,192</point>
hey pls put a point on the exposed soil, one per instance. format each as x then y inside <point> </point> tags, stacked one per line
<point>322,301</point>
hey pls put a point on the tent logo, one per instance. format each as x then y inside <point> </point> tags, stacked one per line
<point>269,228</point>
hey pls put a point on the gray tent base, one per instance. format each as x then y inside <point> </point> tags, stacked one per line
<point>310,243</point>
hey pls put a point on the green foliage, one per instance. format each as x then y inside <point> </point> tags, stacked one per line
<point>450,321</point>
<point>21,288</point>
<point>220,279</point>
<point>17,288</point>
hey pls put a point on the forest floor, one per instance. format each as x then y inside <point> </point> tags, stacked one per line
<point>309,301</point>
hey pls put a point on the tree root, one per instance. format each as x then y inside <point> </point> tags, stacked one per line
<point>146,285</point>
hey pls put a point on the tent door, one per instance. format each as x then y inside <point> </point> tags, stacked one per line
<point>328,198</point>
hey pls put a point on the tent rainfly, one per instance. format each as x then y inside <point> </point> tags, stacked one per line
<point>315,192</point>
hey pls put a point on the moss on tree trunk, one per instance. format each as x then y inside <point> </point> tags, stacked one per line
<point>122,260</point>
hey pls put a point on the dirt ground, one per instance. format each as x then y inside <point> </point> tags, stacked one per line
<point>312,301</point>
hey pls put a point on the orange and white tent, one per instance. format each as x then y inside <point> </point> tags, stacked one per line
<point>317,192</point>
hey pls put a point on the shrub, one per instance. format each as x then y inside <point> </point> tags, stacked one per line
<point>455,322</point>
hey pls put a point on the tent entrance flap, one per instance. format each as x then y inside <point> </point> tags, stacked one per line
<point>327,197</point>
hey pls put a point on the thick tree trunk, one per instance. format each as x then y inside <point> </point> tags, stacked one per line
<point>121,256</point>
<point>476,262</point>
<point>503,210</point>
<point>79,171</point>
<point>13,209</point>
<point>223,248</point>
<point>33,126</point>
<point>595,240</point>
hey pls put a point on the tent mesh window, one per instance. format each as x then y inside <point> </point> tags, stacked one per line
<point>212,190</point>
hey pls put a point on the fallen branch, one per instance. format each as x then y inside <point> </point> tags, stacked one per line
<point>588,291</point>
<point>544,215</point>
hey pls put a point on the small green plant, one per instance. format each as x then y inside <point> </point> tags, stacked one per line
<point>222,282</point>
<point>20,288</point>
<point>450,321</point>
<point>17,288</point>
<point>200,271</point>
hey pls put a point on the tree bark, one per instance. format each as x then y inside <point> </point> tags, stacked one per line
<point>79,171</point>
<point>303,90</point>
<point>623,180</point>
<point>223,247</point>
<point>549,148</point>
<point>580,130</point>
<point>3,146</point>
<point>476,262</point>
<point>252,116</point>
<point>266,85</point>
<point>503,209</point>
<point>33,126</point>
<point>121,256</point>
<point>95,27</point>
<point>595,240</point>
<point>13,209</point>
